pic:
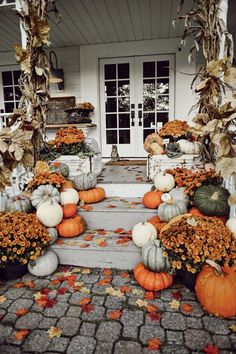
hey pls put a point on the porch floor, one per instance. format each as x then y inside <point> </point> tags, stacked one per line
<point>123,174</point>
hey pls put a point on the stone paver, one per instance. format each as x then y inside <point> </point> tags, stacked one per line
<point>87,329</point>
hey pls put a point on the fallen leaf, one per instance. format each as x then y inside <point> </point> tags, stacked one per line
<point>151,308</point>
<point>177,295</point>
<point>104,281</point>
<point>119,230</point>
<point>110,206</point>
<point>149,295</point>
<point>141,303</point>
<point>186,308</point>
<point>125,289</point>
<point>62,291</point>
<point>233,328</point>
<point>87,308</point>
<point>54,282</point>
<point>87,207</point>
<point>137,292</point>
<point>22,311</point>
<point>85,290</point>
<point>102,244</point>
<point>153,344</point>
<point>19,285</point>
<point>71,279</point>
<point>30,284</point>
<point>86,271</point>
<point>114,315</point>
<point>112,292</point>
<point>154,316</point>
<point>84,245</point>
<point>174,304</point>
<point>60,242</point>
<point>124,275</point>
<point>101,232</point>
<point>2,299</point>
<point>21,334</point>
<point>211,349</point>
<point>106,271</point>
<point>54,332</point>
<point>45,291</point>
<point>84,301</point>
<point>88,237</point>
<point>139,178</point>
<point>76,270</point>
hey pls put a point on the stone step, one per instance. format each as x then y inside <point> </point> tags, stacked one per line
<point>116,212</point>
<point>125,190</point>
<point>107,249</point>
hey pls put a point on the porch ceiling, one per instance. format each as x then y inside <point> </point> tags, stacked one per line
<point>101,21</point>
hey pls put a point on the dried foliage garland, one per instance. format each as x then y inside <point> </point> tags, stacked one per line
<point>216,118</point>
<point>20,144</point>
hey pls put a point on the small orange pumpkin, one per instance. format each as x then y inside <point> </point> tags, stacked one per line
<point>94,195</point>
<point>152,199</point>
<point>71,227</point>
<point>69,210</point>
<point>195,211</point>
<point>216,289</point>
<point>156,221</point>
<point>67,184</point>
<point>152,281</point>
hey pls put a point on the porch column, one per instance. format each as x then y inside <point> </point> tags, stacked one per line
<point>223,11</point>
<point>19,5</point>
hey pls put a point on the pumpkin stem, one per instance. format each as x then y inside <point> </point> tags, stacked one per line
<point>215,196</point>
<point>216,266</point>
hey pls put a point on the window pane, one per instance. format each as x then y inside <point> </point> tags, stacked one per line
<point>110,88</point>
<point>111,120</point>
<point>7,78</point>
<point>149,69</point>
<point>124,136</point>
<point>111,136</point>
<point>124,104</point>
<point>162,103</point>
<point>110,71</point>
<point>8,93</point>
<point>16,76</point>
<point>17,93</point>
<point>146,132</point>
<point>111,105</point>
<point>123,71</point>
<point>162,86</point>
<point>124,120</point>
<point>163,68</point>
<point>163,117</point>
<point>123,88</point>
<point>9,107</point>
<point>149,87</point>
<point>148,104</point>
<point>148,119</point>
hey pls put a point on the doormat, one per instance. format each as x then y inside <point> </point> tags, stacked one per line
<point>126,163</point>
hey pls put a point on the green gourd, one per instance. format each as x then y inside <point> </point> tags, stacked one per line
<point>62,168</point>
<point>85,181</point>
<point>153,259</point>
<point>212,200</point>
<point>19,203</point>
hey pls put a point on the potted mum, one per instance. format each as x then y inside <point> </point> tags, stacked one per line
<point>22,239</point>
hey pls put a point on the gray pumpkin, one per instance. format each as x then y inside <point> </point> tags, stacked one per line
<point>19,203</point>
<point>177,193</point>
<point>153,259</point>
<point>53,235</point>
<point>60,167</point>
<point>44,193</point>
<point>85,181</point>
<point>171,208</point>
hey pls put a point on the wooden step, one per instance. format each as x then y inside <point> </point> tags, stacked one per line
<point>116,212</point>
<point>106,249</point>
<point>125,190</point>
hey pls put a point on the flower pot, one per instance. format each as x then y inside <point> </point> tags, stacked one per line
<point>187,278</point>
<point>13,271</point>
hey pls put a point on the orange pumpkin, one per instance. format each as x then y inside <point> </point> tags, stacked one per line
<point>69,210</point>
<point>71,227</point>
<point>152,199</point>
<point>79,219</point>
<point>216,289</point>
<point>152,281</point>
<point>66,185</point>
<point>92,195</point>
<point>195,211</point>
<point>156,221</point>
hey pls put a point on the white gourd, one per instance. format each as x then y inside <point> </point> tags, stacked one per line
<point>44,193</point>
<point>53,234</point>
<point>69,196</point>
<point>188,147</point>
<point>178,194</point>
<point>44,265</point>
<point>50,213</point>
<point>170,208</point>
<point>143,232</point>
<point>153,259</point>
<point>231,225</point>
<point>164,182</point>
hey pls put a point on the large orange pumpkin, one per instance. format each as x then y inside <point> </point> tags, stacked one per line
<point>152,199</point>
<point>66,185</point>
<point>152,281</point>
<point>156,221</point>
<point>69,210</point>
<point>216,289</point>
<point>195,211</point>
<point>71,227</point>
<point>92,195</point>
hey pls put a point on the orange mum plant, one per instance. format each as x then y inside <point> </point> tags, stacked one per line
<point>22,237</point>
<point>53,178</point>
<point>190,240</point>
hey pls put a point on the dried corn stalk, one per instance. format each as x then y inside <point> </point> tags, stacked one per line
<point>216,118</point>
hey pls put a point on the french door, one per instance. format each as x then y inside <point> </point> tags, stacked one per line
<point>137,98</point>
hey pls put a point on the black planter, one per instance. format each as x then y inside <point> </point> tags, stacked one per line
<point>187,278</point>
<point>13,271</point>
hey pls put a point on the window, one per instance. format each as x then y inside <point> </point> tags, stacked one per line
<point>11,90</point>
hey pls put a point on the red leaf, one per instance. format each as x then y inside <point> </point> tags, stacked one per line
<point>87,207</point>
<point>19,285</point>
<point>211,349</point>
<point>186,308</point>
<point>111,206</point>
<point>22,311</point>
<point>88,237</point>
<point>106,271</point>
<point>101,232</point>
<point>62,291</point>
<point>87,308</point>
<point>104,281</point>
<point>177,295</point>
<point>149,295</point>
<point>71,279</point>
<point>60,242</point>
<point>84,301</point>
<point>114,315</point>
<point>125,289</point>
<point>124,275</point>
<point>102,244</point>
<point>154,316</point>
<point>50,303</point>
<point>45,291</point>
<point>30,284</point>
<point>151,308</point>
<point>119,230</point>
<point>21,334</point>
<point>153,343</point>
<point>139,178</point>
<point>84,245</point>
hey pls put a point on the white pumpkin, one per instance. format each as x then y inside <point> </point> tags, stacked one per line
<point>188,147</point>
<point>231,225</point>
<point>50,213</point>
<point>44,265</point>
<point>171,208</point>
<point>53,234</point>
<point>164,182</point>
<point>143,232</point>
<point>69,196</point>
<point>178,194</point>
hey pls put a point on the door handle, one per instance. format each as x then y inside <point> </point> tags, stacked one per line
<point>140,116</point>
<point>132,118</point>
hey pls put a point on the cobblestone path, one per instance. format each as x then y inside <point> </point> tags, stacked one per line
<point>101,312</point>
